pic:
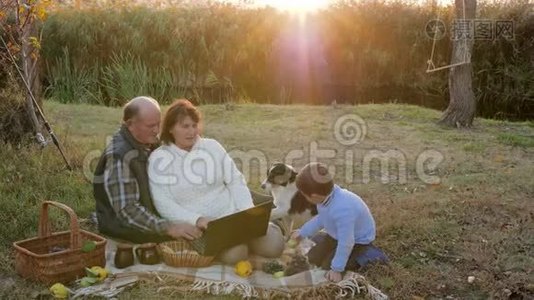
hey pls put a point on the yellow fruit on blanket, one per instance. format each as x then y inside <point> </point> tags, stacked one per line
<point>292,243</point>
<point>100,272</point>
<point>243,268</point>
<point>59,291</point>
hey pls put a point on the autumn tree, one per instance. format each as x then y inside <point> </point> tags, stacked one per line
<point>20,20</point>
<point>462,104</point>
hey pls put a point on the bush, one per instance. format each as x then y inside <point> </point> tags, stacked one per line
<point>15,126</point>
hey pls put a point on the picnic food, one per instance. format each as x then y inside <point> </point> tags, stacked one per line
<point>99,272</point>
<point>279,274</point>
<point>299,263</point>
<point>88,281</point>
<point>288,254</point>
<point>292,243</point>
<point>272,267</point>
<point>59,291</point>
<point>290,251</point>
<point>243,268</point>
<point>285,259</point>
<point>95,274</point>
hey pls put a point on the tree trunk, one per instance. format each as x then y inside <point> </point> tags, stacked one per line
<point>31,75</point>
<point>18,114</point>
<point>462,106</point>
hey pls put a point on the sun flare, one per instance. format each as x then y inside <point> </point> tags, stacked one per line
<point>296,6</point>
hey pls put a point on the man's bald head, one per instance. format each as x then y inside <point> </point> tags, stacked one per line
<point>142,116</point>
<point>138,106</point>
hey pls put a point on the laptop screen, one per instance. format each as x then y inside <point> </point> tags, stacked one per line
<point>235,229</point>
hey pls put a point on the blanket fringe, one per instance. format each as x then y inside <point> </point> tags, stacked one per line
<point>351,286</point>
<point>225,288</point>
<point>354,284</point>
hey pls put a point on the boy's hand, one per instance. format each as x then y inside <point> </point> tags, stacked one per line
<point>334,276</point>
<point>295,236</point>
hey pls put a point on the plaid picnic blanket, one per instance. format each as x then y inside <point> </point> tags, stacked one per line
<point>221,280</point>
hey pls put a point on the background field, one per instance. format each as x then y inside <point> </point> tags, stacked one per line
<point>477,222</point>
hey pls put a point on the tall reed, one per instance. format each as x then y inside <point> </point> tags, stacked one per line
<point>362,51</point>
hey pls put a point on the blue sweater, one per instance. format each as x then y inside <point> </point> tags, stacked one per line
<point>346,218</point>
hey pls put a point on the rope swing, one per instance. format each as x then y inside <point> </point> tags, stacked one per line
<point>431,67</point>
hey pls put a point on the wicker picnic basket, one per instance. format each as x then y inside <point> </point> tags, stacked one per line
<point>179,253</point>
<point>58,257</point>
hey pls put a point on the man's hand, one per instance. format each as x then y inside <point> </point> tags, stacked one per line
<point>183,230</point>
<point>334,276</point>
<point>202,223</point>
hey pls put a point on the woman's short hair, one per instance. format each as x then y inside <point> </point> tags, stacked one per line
<point>314,178</point>
<point>177,112</point>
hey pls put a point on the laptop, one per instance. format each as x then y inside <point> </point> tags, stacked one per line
<point>234,229</point>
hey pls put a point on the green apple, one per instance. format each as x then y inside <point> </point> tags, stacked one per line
<point>292,243</point>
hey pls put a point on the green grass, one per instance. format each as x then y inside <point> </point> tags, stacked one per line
<point>516,140</point>
<point>475,147</point>
<point>476,222</point>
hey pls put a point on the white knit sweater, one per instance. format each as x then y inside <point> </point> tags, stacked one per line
<point>203,182</point>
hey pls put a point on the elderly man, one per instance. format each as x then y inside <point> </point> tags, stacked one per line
<point>124,205</point>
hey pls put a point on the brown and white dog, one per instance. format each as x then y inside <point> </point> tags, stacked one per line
<point>291,206</point>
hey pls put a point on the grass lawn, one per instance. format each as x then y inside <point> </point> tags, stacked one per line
<point>477,221</point>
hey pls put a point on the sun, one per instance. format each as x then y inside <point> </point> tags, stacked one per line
<point>296,6</point>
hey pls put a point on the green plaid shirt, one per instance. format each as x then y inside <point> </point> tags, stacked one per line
<point>123,192</point>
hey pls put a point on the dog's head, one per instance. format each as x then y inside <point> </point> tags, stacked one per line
<point>279,175</point>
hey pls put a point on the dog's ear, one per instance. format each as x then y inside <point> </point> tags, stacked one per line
<point>299,204</point>
<point>293,176</point>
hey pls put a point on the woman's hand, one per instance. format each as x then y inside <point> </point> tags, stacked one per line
<point>334,276</point>
<point>202,223</point>
<point>183,230</point>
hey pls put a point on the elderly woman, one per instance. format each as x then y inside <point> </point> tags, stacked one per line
<point>193,179</point>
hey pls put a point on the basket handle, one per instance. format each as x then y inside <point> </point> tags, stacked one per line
<point>44,225</point>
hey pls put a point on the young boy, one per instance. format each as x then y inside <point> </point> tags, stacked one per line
<point>349,225</point>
